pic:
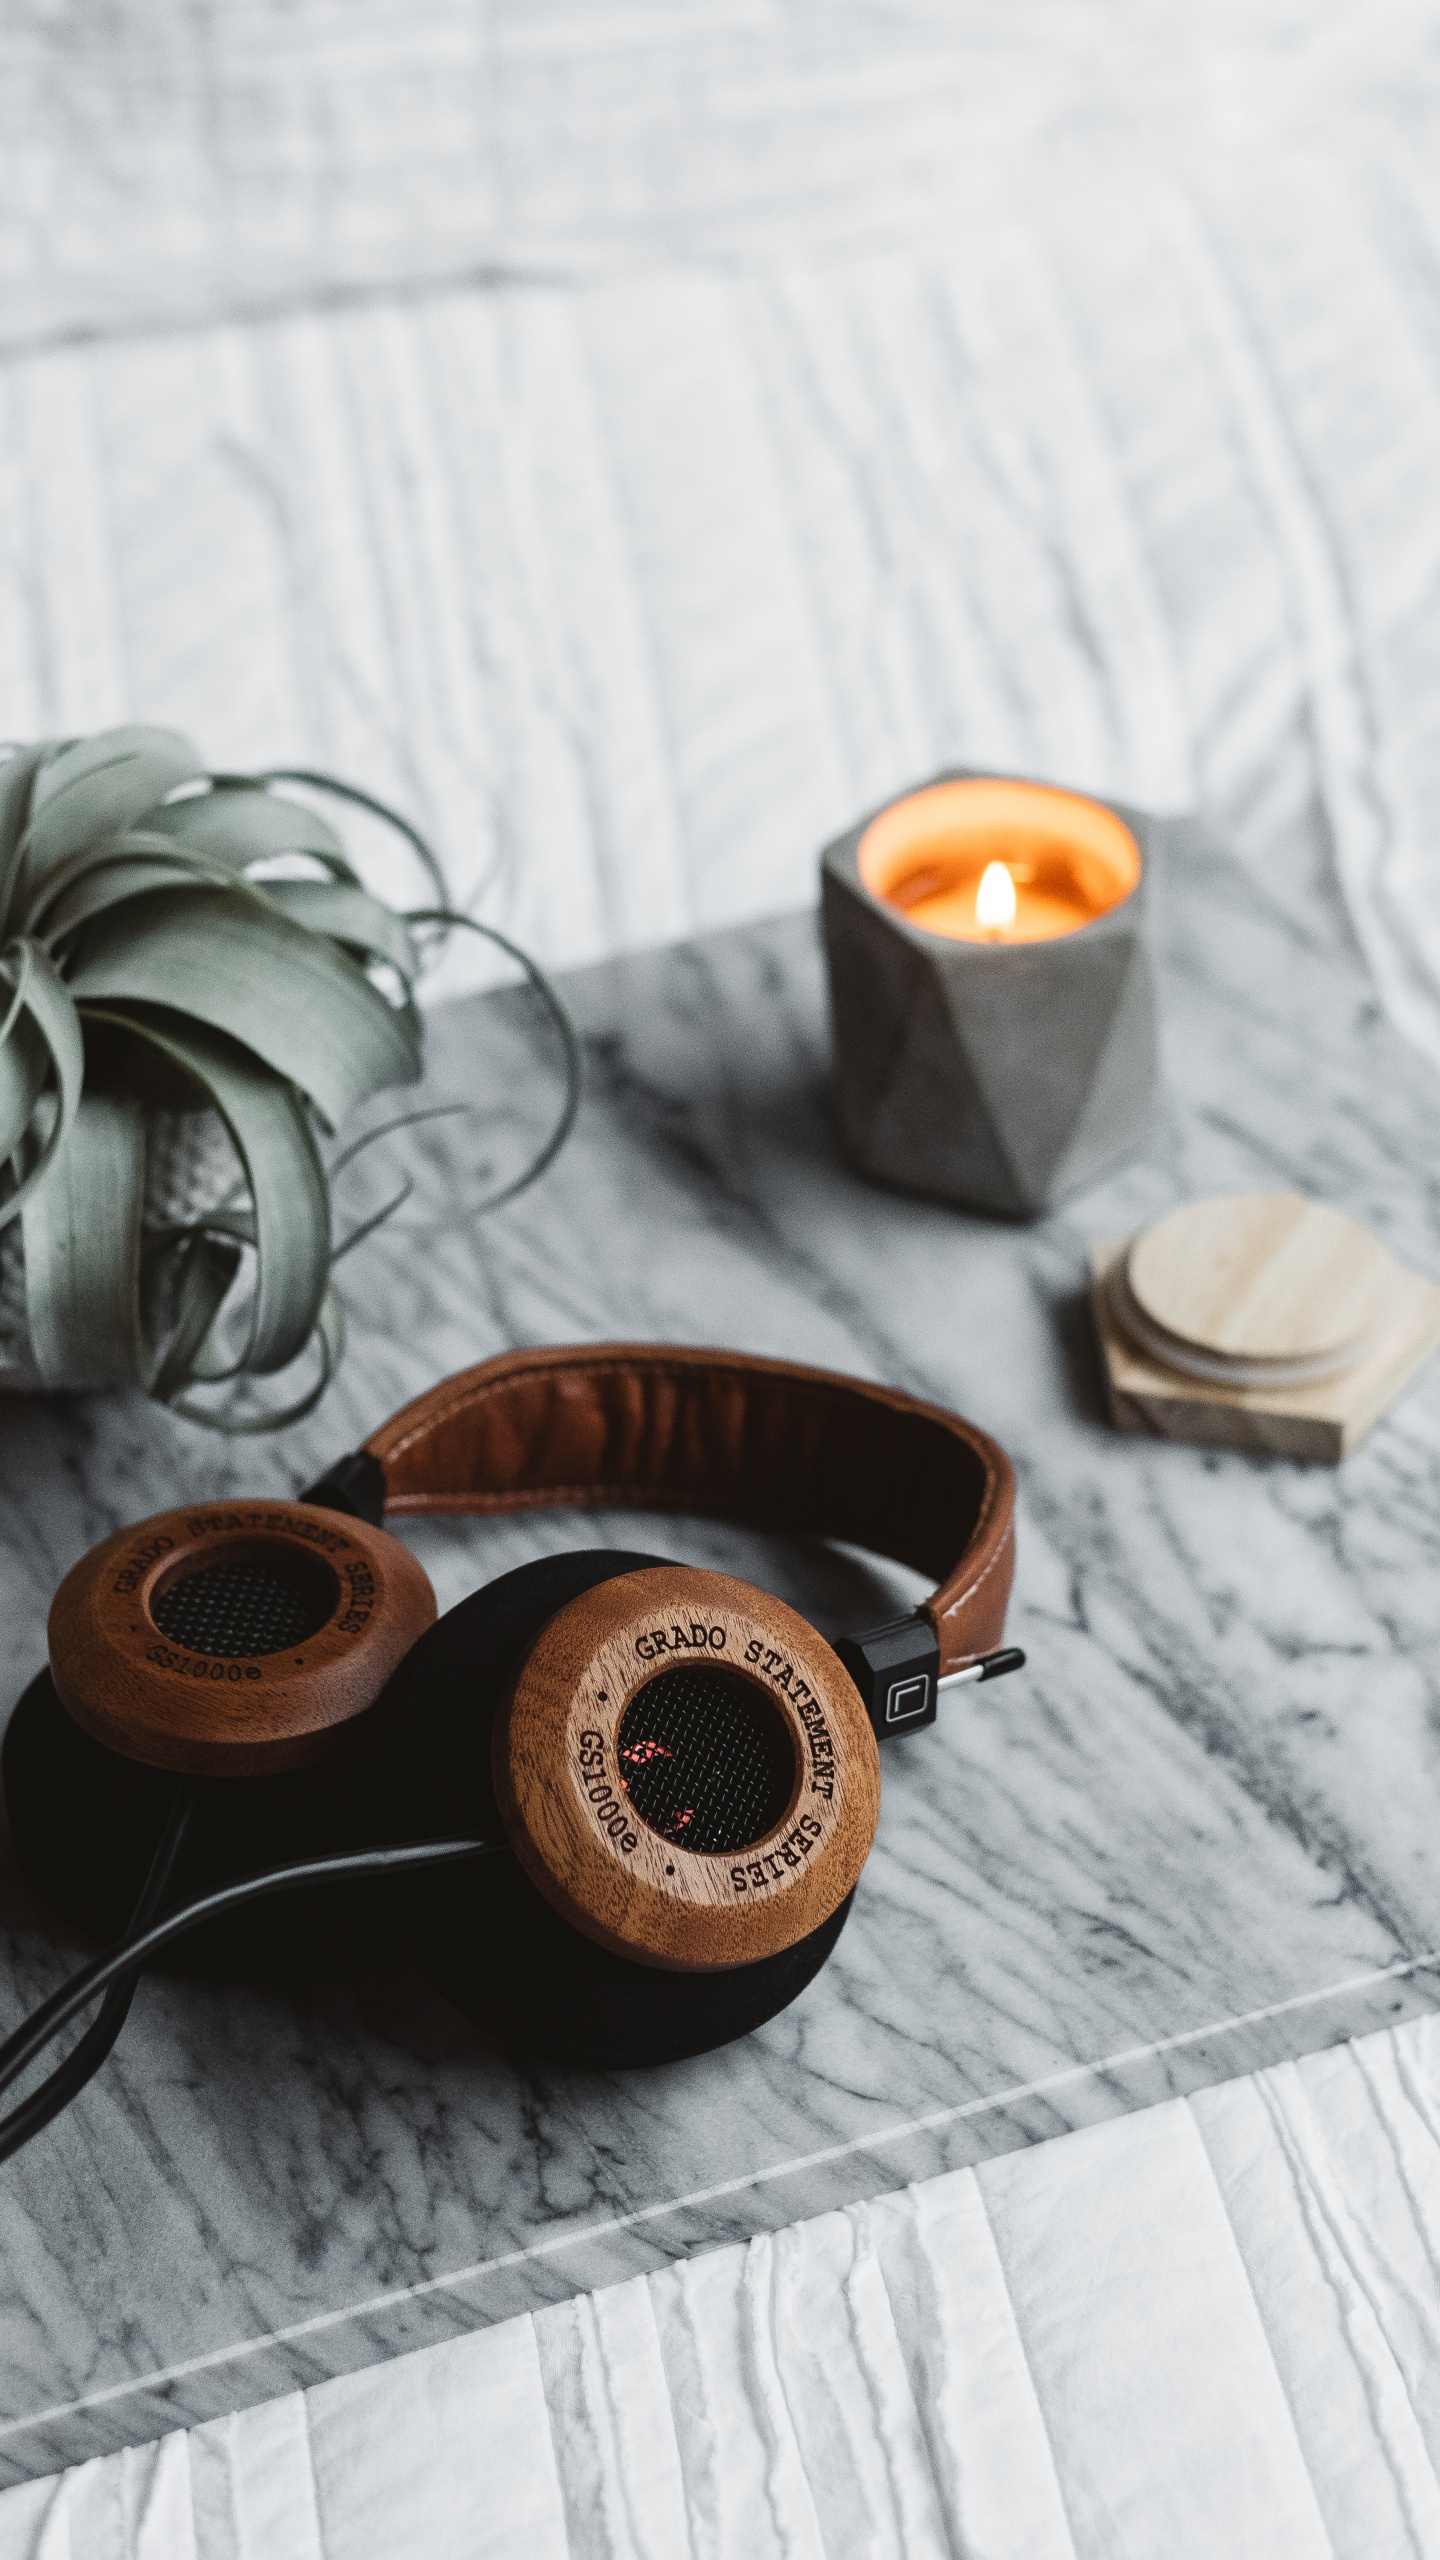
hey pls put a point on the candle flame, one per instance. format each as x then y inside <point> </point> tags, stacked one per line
<point>995,899</point>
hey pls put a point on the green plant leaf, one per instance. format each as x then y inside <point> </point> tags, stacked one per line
<point>76,892</point>
<point>17,773</point>
<point>285,994</point>
<point>288,1216</point>
<point>239,822</point>
<point>24,1061</point>
<point>452,919</point>
<point>40,1001</point>
<point>255,999</point>
<point>202,1267</point>
<point>99,786</point>
<point>349,916</point>
<point>82,1251</point>
<point>329,1340</point>
<point>358,799</point>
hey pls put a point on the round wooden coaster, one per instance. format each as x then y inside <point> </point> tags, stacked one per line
<point>1258,1287</point>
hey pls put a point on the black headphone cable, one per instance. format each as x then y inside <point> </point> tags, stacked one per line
<point>115,1973</point>
<point>69,2077</point>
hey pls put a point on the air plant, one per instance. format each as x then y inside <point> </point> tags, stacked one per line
<point>178,942</point>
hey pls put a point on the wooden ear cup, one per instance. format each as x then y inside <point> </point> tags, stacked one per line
<point>235,1639</point>
<point>241,1642</point>
<point>487,1936</point>
<point>686,1771</point>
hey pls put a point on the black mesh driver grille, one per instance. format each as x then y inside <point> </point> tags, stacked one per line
<point>241,1608</point>
<point>705,1760</point>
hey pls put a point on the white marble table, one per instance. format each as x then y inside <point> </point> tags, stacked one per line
<point>1197,1835</point>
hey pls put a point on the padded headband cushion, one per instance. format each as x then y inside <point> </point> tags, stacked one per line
<point>659,1428</point>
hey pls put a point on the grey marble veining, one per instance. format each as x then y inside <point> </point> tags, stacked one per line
<point>1213,1792</point>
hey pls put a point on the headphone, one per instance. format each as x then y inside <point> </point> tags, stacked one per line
<point>625,1802</point>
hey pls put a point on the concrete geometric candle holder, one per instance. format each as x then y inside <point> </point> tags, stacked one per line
<point>991,990</point>
<point>1263,1322</point>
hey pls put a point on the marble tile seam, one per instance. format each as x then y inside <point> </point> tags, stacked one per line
<point>554,2244</point>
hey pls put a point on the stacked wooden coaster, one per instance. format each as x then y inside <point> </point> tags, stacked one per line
<point>1262,1322</point>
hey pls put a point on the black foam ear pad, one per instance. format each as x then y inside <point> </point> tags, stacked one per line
<point>485,1935</point>
<point>85,1823</point>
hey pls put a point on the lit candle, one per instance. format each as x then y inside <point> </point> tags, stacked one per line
<point>995,900</point>
<point>989,861</point>
<point>994,1018</point>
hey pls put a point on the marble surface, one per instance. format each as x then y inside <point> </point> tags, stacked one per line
<point>1196,1836</point>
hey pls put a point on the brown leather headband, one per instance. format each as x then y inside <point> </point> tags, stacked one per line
<point>658,1428</point>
